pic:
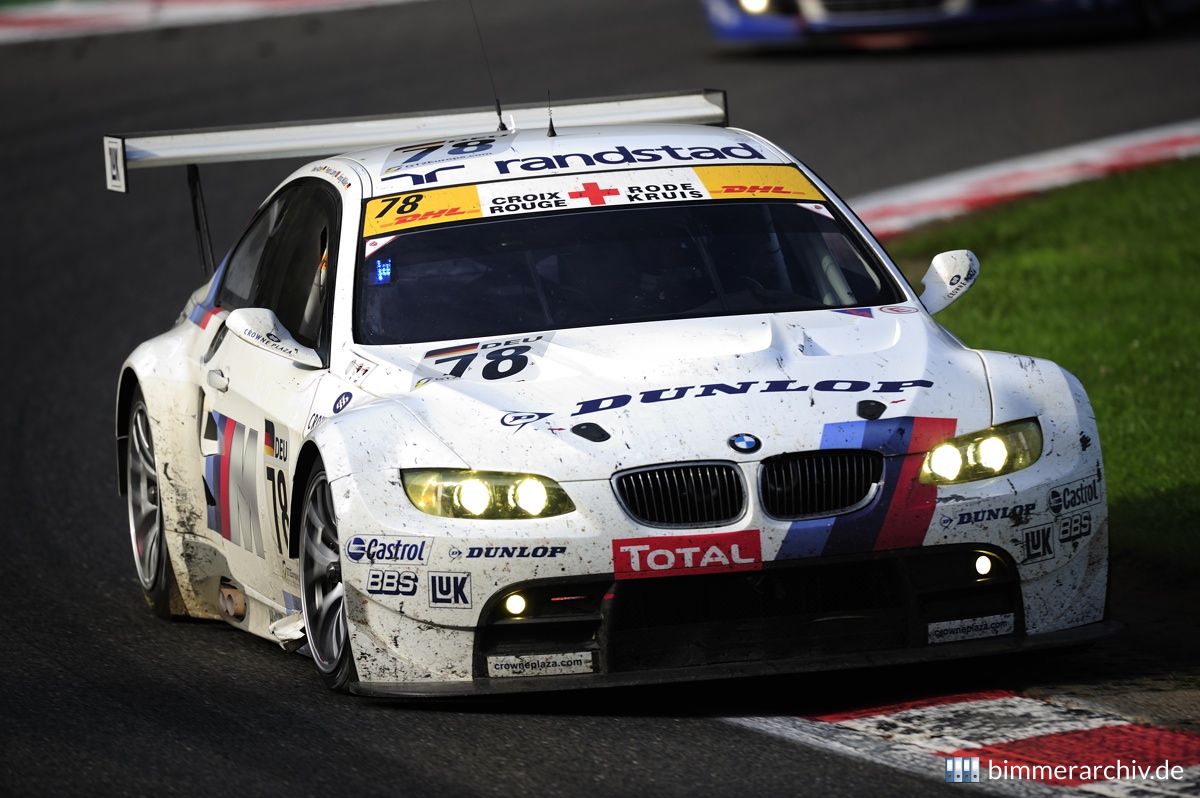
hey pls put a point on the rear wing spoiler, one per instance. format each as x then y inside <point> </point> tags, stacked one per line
<point>333,136</point>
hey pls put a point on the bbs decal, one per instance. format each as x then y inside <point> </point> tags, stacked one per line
<point>391,583</point>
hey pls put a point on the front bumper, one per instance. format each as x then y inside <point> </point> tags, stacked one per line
<point>807,664</point>
<point>868,586</point>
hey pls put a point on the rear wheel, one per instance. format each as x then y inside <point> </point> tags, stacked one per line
<point>150,556</point>
<point>322,593</point>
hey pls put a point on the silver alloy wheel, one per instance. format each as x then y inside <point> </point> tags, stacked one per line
<point>145,517</point>
<point>323,597</point>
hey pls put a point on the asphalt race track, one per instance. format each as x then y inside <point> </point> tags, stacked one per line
<point>97,696</point>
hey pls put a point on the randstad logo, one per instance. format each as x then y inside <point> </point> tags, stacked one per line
<point>962,769</point>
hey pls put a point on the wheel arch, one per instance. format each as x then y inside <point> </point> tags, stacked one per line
<point>127,385</point>
<point>309,458</point>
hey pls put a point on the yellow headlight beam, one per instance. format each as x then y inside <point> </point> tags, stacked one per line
<point>491,495</point>
<point>998,450</point>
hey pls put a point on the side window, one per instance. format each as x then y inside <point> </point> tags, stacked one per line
<point>296,275</point>
<point>242,273</point>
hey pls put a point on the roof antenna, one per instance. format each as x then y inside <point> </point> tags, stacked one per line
<point>550,132</point>
<point>488,65</point>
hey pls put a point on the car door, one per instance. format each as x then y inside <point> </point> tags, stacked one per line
<point>257,401</point>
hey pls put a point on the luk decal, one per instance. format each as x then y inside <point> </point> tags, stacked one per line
<point>898,309</point>
<point>758,182</point>
<point>508,552</point>
<point>1073,527</point>
<point>624,155</point>
<point>972,628</point>
<point>231,484</point>
<point>449,589</point>
<point>374,549</point>
<point>1079,493</point>
<point>498,359</point>
<point>417,209</point>
<point>751,386</point>
<point>1019,513</point>
<point>1038,545</point>
<point>679,555</point>
<point>275,455</point>
<point>520,420</point>
<point>384,582</point>
<point>541,664</point>
<point>341,402</point>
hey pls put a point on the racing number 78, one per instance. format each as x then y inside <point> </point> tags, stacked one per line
<point>500,363</point>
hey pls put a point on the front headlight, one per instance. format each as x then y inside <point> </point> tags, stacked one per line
<point>990,453</point>
<point>455,493</point>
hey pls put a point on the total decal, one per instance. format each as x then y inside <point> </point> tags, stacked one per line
<point>750,386</point>
<point>483,361</point>
<point>415,208</point>
<point>681,555</point>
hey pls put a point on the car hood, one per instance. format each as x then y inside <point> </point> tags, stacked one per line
<point>680,390</point>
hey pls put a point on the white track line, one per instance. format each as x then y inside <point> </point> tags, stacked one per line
<point>68,18</point>
<point>897,210</point>
<point>859,745</point>
<point>915,739</point>
<point>969,724</point>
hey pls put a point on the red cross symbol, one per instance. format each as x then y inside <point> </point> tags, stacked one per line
<point>593,193</point>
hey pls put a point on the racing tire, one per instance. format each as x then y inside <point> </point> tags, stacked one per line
<point>322,594</point>
<point>151,559</point>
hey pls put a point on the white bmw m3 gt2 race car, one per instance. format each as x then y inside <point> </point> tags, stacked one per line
<point>471,410</point>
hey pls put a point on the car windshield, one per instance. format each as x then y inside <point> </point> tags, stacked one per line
<point>612,266</point>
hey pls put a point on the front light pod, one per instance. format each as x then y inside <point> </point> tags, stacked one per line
<point>991,452</point>
<point>458,493</point>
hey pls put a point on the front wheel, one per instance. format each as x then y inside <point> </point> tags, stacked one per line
<point>322,594</point>
<point>150,556</point>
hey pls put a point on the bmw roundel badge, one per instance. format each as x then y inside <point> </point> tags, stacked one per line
<point>745,442</point>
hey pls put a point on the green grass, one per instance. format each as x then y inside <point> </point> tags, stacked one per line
<point>1103,279</point>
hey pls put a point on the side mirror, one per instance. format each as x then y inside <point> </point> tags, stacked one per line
<point>950,275</point>
<point>260,327</point>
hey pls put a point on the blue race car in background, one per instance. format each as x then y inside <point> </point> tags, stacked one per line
<point>899,23</point>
